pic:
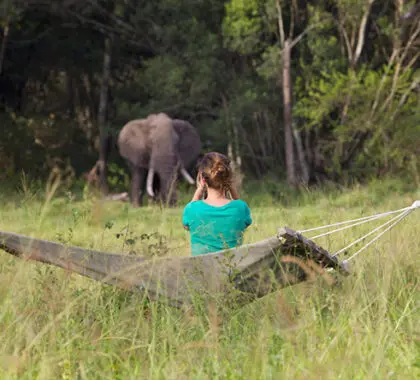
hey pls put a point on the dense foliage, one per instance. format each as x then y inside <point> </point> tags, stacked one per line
<point>354,72</point>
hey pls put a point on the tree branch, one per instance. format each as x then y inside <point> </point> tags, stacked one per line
<point>280,22</point>
<point>381,84</point>
<point>362,31</point>
<point>292,21</point>
<point>347,41</point>
<point>403,99</point>
<point>411,41</point>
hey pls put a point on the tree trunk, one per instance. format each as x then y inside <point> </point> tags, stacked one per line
<point>287,112</point>
<point>237,159</point>
<point>70,95</point>
<point>303,164</point>
<point>233,151</point>
<point>102,112</point>
<point>3,43</point>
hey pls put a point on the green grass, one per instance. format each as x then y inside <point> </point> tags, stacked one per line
<point>59,325</point>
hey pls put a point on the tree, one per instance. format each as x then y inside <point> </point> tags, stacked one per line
<point>244,22</point>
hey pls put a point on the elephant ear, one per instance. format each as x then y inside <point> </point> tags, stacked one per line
<point>133,142</point>
<point>189,145</point>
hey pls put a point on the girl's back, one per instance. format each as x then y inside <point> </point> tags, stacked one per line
<point>214,228</point>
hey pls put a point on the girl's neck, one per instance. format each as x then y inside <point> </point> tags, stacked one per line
<point>216,197</point>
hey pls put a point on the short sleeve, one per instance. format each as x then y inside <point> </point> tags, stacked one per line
<point>185,216</point>
<point>247,215</point>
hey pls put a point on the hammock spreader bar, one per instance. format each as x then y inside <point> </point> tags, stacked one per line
<point>254,270</point>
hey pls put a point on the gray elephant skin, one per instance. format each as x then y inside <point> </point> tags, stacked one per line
<point>158,146</point>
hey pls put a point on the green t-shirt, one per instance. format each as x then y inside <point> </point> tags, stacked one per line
<point>215,228</point>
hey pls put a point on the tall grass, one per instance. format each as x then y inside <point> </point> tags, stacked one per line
<point>54,324</point>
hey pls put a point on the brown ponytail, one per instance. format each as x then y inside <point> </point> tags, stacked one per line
<point>216,171</point>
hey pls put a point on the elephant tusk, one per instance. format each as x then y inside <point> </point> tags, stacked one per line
<point>150,183</point>
<point>187,176</point>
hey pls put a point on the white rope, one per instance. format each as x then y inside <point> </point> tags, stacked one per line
<point>371,217</point>
<point>346,227</point>
<point>370,233</point>
<point>378,236</point>
<point>395,220</point>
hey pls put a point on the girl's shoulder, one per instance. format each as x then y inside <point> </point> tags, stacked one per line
<point>240,203</point>
<point>193,205</point>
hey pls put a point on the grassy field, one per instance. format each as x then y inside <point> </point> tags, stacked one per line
<point>56,325</point>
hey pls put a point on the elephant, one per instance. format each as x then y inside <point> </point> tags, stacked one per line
<point>158,146</point>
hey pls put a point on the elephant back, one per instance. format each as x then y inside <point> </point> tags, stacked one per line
<point>189,143</point>
<point>133,142</point>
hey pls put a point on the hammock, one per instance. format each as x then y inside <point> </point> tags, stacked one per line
<point>254,270</point>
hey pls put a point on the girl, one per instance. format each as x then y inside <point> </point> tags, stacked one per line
<point>216,222</point>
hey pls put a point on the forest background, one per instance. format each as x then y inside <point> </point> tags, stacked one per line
<point>307,91</point>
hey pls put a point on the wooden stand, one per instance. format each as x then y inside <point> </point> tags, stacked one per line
<point>293,243</point>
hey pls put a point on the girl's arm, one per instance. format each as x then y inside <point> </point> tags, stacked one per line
<point>198,195</point>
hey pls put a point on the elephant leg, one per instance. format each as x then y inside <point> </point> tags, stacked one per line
<point>138,177</point>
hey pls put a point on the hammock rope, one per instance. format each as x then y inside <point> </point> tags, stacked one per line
<point>402,213</point>
<point>368,218</point>
<point>378,236</point>
<point>405,213</point>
